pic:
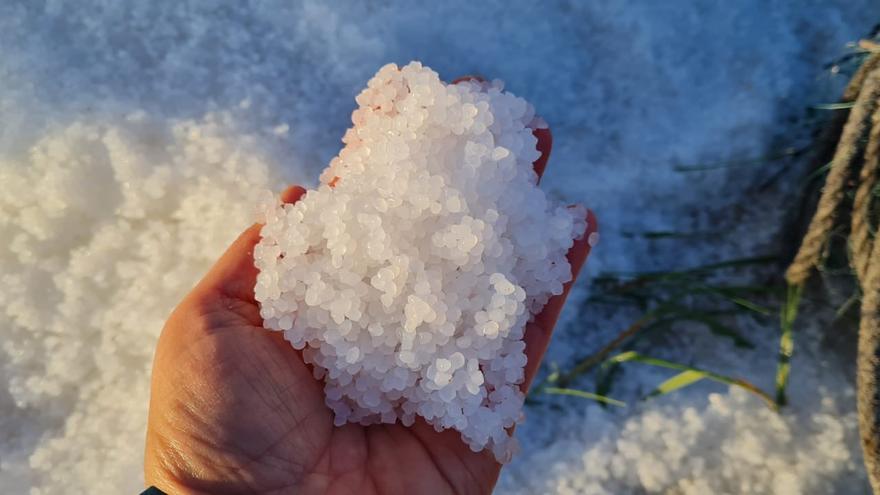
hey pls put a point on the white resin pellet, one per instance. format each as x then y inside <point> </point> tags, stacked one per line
<point>408,276</point>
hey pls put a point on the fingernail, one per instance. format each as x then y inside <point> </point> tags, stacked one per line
<point>470,77</point>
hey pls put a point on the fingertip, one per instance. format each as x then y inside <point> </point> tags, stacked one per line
<point>592,224</point>
<point>234,273</point>
<point>545,144</point>
<point>292,194</point>
<point>581,248</point>
<point>469,77</point>
<point>544,136</point>
<point>577,257</point>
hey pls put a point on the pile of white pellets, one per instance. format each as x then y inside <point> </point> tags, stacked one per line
<point>408,276</point>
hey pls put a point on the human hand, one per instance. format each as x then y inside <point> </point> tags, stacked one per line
<point>234,409</point>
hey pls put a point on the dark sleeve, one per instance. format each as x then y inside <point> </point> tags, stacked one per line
<point>153,491</point>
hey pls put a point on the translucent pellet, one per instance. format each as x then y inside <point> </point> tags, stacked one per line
<point>408,276</point>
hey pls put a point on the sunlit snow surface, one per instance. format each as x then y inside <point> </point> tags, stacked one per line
<point>133,134</point>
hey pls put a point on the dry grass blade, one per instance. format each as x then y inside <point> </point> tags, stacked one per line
<point>605,351</point>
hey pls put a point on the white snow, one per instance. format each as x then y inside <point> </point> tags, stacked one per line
<point>106,225</point>
<point>110,219</point>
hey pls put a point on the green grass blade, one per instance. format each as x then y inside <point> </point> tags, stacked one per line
<point>700,269</point>
<point>834,106</point>
<point>786,341</point>
<point>605,378</point>
<point>744,289</point>
<point>668,234</point>
<point>720,329</point>
<point>627,356</point>
<point>584,395</point>
<point>745,303</point>
<point>761,160</point>
<point>740,301</point>
<point>678,381</point>
<point>850,302</point>
<point>816,173</point>
<point>674,313</point>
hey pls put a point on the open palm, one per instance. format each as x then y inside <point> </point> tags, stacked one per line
<point>234,409</point>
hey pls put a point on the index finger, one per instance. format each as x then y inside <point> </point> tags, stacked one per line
<point>543,135</point>
<point>540,329</point>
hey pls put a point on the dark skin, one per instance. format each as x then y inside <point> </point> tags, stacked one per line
<point>235,410</point>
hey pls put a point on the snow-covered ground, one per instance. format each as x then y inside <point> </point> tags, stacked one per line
<point>133,134</point>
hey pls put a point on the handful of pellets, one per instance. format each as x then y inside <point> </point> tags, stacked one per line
<point>408,276</point>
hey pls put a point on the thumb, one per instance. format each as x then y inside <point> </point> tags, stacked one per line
<point>234,274</point>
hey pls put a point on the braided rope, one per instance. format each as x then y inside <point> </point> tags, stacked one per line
<point>864,88</point>
<point>860,236</point>
<point>814,241</point>
<point>867,369</point>
<point>855,84</point>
